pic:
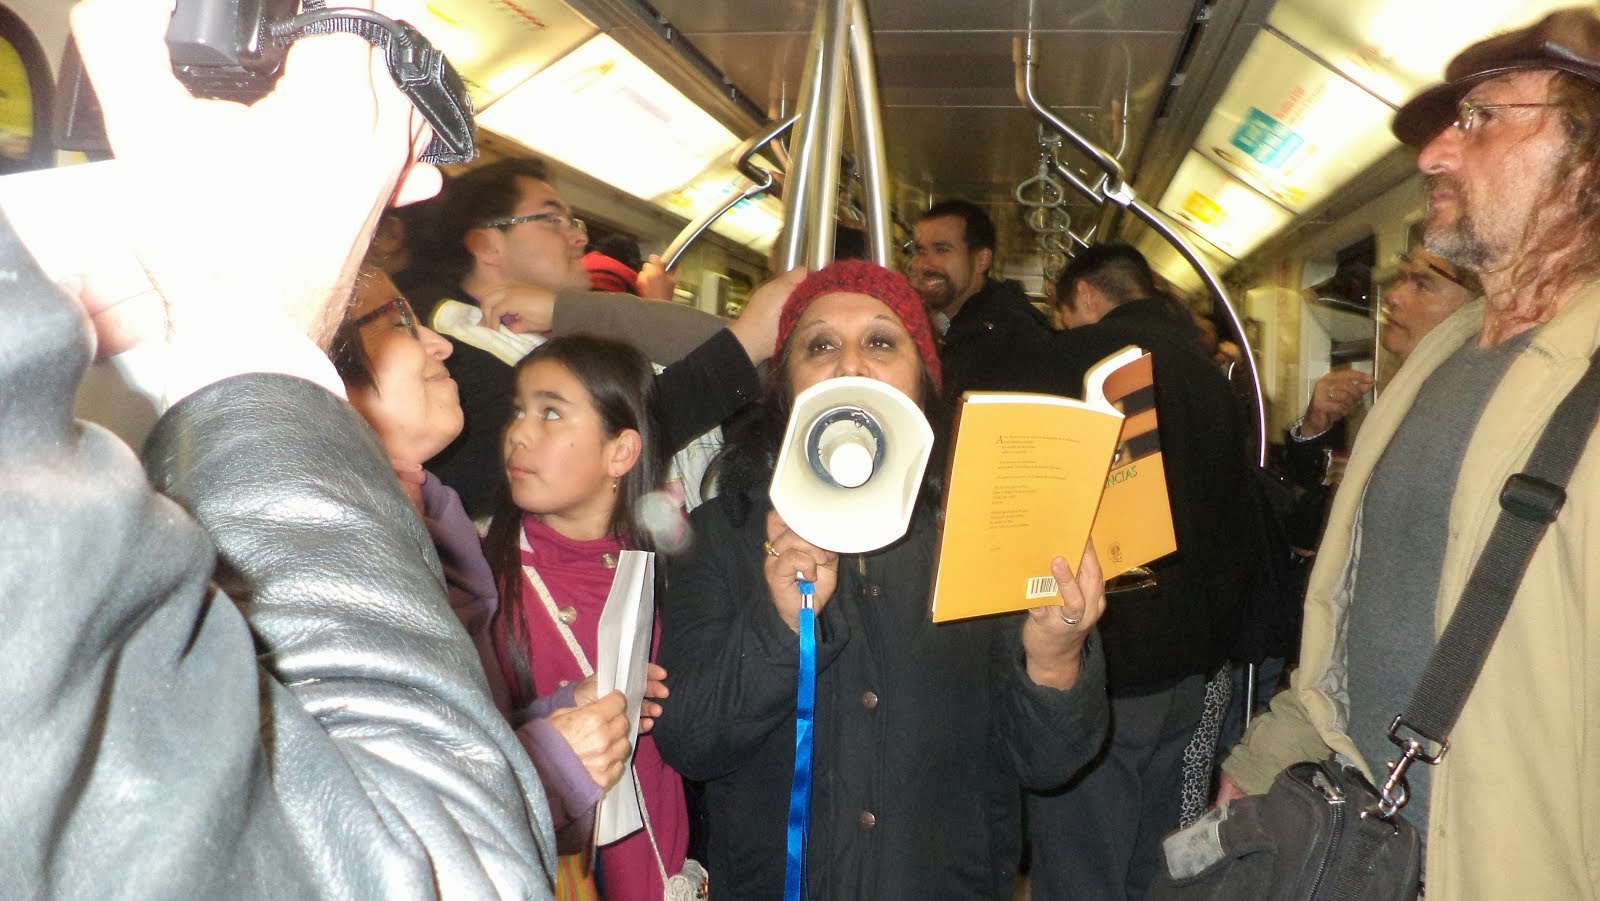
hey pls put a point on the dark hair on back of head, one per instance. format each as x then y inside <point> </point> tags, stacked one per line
<point>850,242</point>
<point>622,248</point>
<point>978,230</point>
<point>472,198</point>
<point>622,387</point>
<point>1117,270</point>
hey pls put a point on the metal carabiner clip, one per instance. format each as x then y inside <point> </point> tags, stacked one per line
<point>1394,793</point>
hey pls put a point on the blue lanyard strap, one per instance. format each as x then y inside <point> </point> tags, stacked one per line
<point>805,709</point>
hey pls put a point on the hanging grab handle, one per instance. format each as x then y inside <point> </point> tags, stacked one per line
<point>1049,220</point>
<point>1041,191</point>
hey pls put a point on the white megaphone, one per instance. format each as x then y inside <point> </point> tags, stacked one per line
<point>851,464</point>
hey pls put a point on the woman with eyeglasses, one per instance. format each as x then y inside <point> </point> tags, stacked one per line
<point>394,375</point>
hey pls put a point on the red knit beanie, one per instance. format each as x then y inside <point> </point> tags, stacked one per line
<point>863,277</point>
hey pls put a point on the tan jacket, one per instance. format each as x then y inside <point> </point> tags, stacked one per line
<point>1516,802</point>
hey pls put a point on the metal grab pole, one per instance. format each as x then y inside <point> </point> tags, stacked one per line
<point>818,91</point>
<point>1249,693</point>
<point>822,200</point>
<point>869,137</point>
<point>756,181</point>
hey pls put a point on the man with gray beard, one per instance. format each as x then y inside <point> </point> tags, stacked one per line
<point>1510,145</point>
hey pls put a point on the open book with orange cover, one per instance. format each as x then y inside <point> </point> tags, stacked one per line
<point>1033,475</point>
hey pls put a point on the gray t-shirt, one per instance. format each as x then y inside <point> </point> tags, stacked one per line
<point>1405,521</point>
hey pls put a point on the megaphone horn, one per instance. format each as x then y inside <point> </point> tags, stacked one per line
<point>851,464</point>
<point>845,446</point>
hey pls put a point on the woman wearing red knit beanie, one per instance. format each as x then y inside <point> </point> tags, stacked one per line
<point>925,734</point>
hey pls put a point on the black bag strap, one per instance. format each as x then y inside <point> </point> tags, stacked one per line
<point>1529,502</point>
<point>417,67</point>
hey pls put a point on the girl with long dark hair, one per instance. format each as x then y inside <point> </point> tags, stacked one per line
<point>583,450</point>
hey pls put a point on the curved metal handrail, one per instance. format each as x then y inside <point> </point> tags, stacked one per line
<point>1158,222</point>
<point>744,155</point>
<point>1113,188</point>
<point>755,182</point>
<point>691,232</point>
<point>1030,70</point>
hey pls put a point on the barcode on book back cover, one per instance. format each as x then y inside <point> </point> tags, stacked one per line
<point>1041,586</point>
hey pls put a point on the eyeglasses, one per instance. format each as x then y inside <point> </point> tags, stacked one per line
<point>1409,260</point>
<point>400,307</point>
<point>1470,114</point>
<point>557,221</point>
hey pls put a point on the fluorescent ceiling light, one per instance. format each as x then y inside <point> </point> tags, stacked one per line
<point>598,109</point>
<point>1292,129</point>
<point>1296,131</point>
<point>497,45</point>
<point>1376,42</point>
<point>1219,208</point>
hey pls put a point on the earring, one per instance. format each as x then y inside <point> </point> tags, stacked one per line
<point>614,484</point>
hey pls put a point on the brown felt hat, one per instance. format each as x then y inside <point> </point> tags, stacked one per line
<point>1568,40</point>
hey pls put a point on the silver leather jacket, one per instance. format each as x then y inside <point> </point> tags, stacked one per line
<point>320,730</point>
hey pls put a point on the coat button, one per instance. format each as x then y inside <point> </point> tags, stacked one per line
<point>874,592</point>
<point>868,820</point>
<point>869,700</point>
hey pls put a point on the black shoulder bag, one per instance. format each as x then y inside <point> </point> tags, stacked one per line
<point>1323,831</point>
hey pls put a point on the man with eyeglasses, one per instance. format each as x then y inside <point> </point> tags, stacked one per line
<point>508,270</point>
<point>1426,291</point>
<point>1510,153</point>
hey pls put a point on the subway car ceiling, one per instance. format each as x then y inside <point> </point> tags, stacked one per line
<point>1248,122</point>
<point>1255,125</point>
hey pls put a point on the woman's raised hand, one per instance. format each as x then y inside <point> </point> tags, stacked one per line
<point>1053,636</point>
<point>790,558</point>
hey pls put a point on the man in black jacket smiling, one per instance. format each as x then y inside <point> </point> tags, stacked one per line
<point>980,322</point>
